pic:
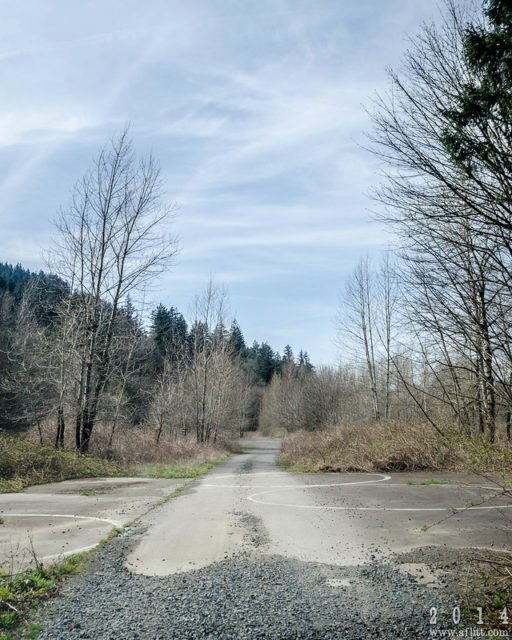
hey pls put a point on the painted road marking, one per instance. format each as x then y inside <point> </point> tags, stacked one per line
<point>255,497</point>
<point>382,478</point>
<point>65,554</point>
<point>6,514</point>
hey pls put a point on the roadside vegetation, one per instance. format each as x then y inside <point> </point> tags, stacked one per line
<point>21,593</point>
<point>394,446</point>
<point>24,462</point>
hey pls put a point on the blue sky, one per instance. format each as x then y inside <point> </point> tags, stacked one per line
<point>254,109</point>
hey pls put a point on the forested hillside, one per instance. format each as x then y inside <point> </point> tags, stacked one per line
<point>79,361</point>
<point>175,377</point>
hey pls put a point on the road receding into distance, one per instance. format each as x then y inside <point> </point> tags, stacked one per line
<point>251,551</point>
<point>330,518</point>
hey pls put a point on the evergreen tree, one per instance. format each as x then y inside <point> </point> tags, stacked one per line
<point>170,332</point>
<point>179,334</point>
<point>304,362</point>
<point>236,340</point>
<point>199,337</point>
<point>220,335</point>
<point>478,135</point>
<point>288,354</point>
<point>161,323</point>
<point>267,363</point>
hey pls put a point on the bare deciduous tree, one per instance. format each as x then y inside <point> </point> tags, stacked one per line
<point>357,324</point>
<point>112,240</point>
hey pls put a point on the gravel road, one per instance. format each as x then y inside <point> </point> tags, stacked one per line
<point>248,597</point>
<point>251,552</point>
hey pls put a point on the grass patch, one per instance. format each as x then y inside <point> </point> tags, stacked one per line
<point>189,469</point>
<point>433,481</point>
<point>24,463</point>
<point>21,593</point>
<point>172,495</point>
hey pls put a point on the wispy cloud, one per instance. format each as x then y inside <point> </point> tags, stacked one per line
<point>254,110</point>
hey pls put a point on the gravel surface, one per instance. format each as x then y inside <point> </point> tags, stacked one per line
<point>247,596</point>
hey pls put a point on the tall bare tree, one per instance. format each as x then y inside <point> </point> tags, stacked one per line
<point>112,240</point>
<point>357,324</point>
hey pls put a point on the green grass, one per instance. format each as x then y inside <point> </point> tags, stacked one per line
<point>29,631</point>
<point>177,470</point>
<point>24,463</point>
<point>21,593</point>
<point>433,481</point>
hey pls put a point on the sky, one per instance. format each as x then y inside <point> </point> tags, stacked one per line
<point>255,110</point>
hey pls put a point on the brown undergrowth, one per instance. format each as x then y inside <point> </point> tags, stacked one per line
<point>24,460</point>
<point>394,446</point>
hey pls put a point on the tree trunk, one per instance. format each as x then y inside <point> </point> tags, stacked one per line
<point>59,440</point>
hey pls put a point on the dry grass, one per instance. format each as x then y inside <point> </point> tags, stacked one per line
<point>134,452</point>
<point>393,446</point>
<point>138,446</point>
<point>132,446</point>
<point>23,463</point>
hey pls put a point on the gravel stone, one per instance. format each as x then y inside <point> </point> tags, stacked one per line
<point>246,597</point>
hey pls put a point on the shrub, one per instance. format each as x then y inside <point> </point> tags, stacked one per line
<point>23,462</point>
<point>392,446</point>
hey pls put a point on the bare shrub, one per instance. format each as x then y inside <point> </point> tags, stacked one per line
<point>137,445</point>
<point>393,446</point>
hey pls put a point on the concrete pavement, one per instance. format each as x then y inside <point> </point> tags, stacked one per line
<point>248,504</point>
<point>58,519</point>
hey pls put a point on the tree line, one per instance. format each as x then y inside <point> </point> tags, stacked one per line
<point>427,334</point>
<point>75,351</point>
<point>197,379</point>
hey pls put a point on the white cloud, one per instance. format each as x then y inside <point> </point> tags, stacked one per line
<point>253,108</point>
